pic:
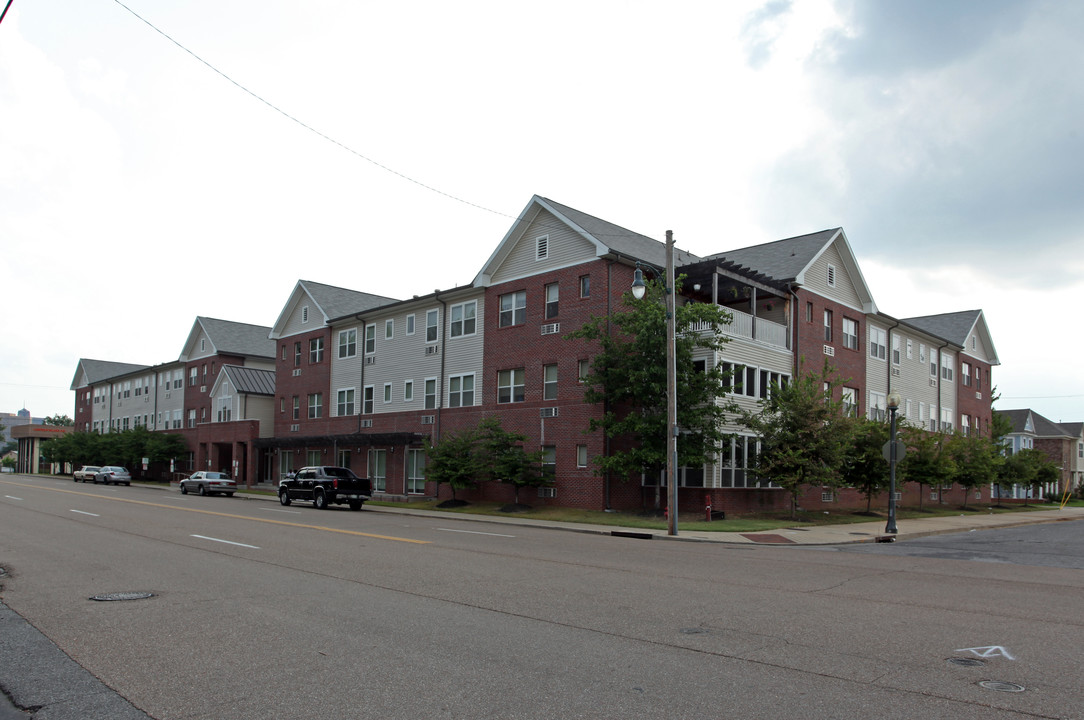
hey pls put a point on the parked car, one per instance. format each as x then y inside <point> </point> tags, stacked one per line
<point>87,472</point>
<point>112,474</point>
<point>209,483</point>
<point>326,485</point>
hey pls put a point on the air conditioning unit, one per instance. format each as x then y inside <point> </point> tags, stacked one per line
<point>933,382</point>
<point>551,328</point>
<point>203,388</point>
<point>297,372</point>
<point>829,351</point>
<point>295,428</point>
<point>432,349</point>
<point>895,372</point>
<point>370,360</point>
<point>978,396</point>
<point>367,423</point>
<point>427,419</point>
<point>550,412</point>
<point>547,492</point>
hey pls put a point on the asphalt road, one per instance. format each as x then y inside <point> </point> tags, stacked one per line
<point>260,611</point>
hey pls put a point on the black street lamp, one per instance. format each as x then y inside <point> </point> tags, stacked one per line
<point>893,406</point>
<point>638,290</point>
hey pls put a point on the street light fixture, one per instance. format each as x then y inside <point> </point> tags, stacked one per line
<point>893,406</point>
<point>638,291</point>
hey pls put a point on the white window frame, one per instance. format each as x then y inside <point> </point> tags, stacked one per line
<point>463,319</point>
<point>408,391</point>
<point>387,393</point>
<point>581,456</point>
<point>850,339</point>
<point>316,406</point>
<point>348,343</point>
<point>878,343</point>
<point>368,400</point>
<point>410,324</point>
<point>389,329</point>
<point>430,393</point>
<point>458,392</point>
<point>516,312</point>
<point>432,326</point>
<point>316,347</point>
<point>344,402</point>
<point>553,300</point>
<point>549,386</point>
<point>878,405</point>
<point>370,339</point>
<point>507,383</point>
<point>948,367</point>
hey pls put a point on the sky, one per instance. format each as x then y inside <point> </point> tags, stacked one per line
<point>163,160</point>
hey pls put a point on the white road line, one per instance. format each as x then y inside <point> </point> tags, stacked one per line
<point>85,513</point>
<point>204,537</point>
<point>473,532</point>
<point>12,497</point>
<point>291,512</point>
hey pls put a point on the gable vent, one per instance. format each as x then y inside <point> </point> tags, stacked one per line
<point>542,247</point>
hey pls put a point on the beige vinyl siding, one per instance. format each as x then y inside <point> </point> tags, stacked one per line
<point>761,357</point>
<point>816,279</point>
<point>293,324</point>
<point>980,352</point>
<point>913,380</point>
<point>566,247</point>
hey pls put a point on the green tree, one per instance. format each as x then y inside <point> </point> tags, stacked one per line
<point>866,468</point>
<point>628,377</point>
<point>453,461</point>
<point>975,461</point>
<point>59,420</point>
<point>501,457</point>
<point>805,435</point>
<point>8,462</point>
<point>925,463</point>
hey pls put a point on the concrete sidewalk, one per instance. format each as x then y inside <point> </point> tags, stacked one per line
<point>821,535</point>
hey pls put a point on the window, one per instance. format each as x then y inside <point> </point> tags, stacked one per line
<point>965,374</point>
<point>513,309</point>
<point>316,351</point>
<point>828,326</point>
<point>910,349</point>
<point>742,379</point>
<point>737,462</point>
<point>463,319</point>
<point>387,393</point>
<point>348,343</point>
<point>965,425</point>
<point>430,393</point>
<point>583,369</point>
<point>510,386</point>
<point>581,456</point>
<point>553,292</point>
<point>297,407</point>
<point>367,400</point>
<point>378,469</point>
<point>895,349</point>
<point>585,286</point>
<point>410,324</point>
<point>850,333</point>
<point>345,402</point>
<point>946,419</point>
<point>193,377</point>
<point>343,458</point>
<point>769,380</point>
<point>978,379</point>
<point>831,276</point>
<point>549,462</point>
<point>809,312</point>
<point>877,339</point>
<point>542,247</point>
<point>432,317</point>
<point>316,405</point>
<point>192,418</point>
<point>297,354</point>
<point>850,402</point>
<point>415,471</point>
<point>461,391</point>
<point>948,364</point>
<point>878,405</point>
<point>408,391</point>
<point>283,359</point>
<point>370,339</point>
<point>549,382</point>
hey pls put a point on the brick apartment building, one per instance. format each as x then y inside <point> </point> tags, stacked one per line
<point>348,378</point>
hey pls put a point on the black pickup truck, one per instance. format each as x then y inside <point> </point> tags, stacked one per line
<point>326,485</point>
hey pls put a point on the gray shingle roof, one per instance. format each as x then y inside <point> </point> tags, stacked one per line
<point>234,338</point>
<point>99,370</point>
<point>1044,427</point>
<point>781,260</point>
<point>626,242</point>
<point>253,381</point>
<point>1018,418</point>
<point>953,327</point>
<point>338,302</point>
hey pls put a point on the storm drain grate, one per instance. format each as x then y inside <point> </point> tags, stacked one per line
<point>1001,686</point>
<point>966,662</point>
<point>109,597</point>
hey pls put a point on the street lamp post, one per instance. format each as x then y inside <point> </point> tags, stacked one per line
<point>893,406</point>
<point>638,290</point>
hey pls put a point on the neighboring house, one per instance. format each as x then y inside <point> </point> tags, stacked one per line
<point>1062,443</point>
<point>360,380</point>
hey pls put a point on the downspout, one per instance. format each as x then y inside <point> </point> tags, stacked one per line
<point>440,377</point>
<point>795,318</point>
<point>939,408</point>
<point>606,399</point>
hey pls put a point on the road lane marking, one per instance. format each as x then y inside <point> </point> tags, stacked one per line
<point>12,497</point>
<point>86,513</point>
<point>290,512</point>
<point>356,533</point>
<point>228,542</point>
<point>475,532</point>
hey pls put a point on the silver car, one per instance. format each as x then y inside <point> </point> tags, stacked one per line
<point>206,482</point>
<point>112,474</point>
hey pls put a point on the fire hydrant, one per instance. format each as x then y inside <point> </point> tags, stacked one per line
<point>707,507</point>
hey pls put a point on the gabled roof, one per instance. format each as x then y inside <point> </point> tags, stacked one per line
<point>330,302</point>
<point>90,372</point>
<point>1074,429</point>
<point>1019,420</point>
<point>1043,427</point>
<point>956,327</point>
<point>607,238</point>
<point>251,381</point>
<point>231,338</point>
<point>787,261</point>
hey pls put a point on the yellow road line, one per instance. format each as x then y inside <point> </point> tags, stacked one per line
<point>222,514</point>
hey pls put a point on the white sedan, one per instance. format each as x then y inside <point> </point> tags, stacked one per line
<point>209,483</point>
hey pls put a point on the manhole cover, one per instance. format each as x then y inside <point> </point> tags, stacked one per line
<point>122,596</point>
<point>693,631</point>
<point>966,662</point>
<point>1001,686</point>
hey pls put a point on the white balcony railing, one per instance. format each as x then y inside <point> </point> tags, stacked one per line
<point>743,324</point>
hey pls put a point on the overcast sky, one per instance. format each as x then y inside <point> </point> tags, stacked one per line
<point>387,147</point>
